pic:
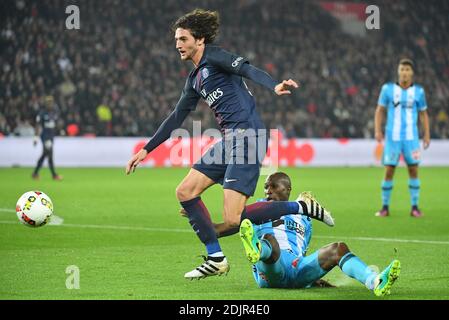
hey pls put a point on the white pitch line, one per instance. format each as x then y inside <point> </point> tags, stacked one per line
<point>55,220</point>
<point>384,239</point>
<point>96,226</point>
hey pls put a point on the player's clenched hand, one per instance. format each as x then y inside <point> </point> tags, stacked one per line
<point>282,88</point>
<point>135,160</point>
<point>379,136</point>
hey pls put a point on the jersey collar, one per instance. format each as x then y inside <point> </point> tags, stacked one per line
<point>411,85</point>
<point>200,64</point>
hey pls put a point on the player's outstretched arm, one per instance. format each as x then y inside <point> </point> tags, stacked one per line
<point>379,118</point>
<point>263,78</point>
<point>186,103</point>
<point>173,122</point>
<point>239,65</point>
<point>424,118</point>
<point>37,130</point>
<point>36,135</point>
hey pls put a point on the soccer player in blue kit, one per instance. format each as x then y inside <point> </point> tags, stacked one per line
<point>277,249</point>
<point>402,102</point>
<point>217,79</point>
<point>46,129</point>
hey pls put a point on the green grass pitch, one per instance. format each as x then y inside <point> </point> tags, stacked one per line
<point>129,242</point>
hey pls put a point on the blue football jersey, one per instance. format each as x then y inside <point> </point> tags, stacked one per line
<point>292,232</point>
<point>216,80</point>
<point>403,106</point>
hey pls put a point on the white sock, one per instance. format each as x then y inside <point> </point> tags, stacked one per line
<point>217,254</point>
<point>372,281</point>
<point>300,208</point>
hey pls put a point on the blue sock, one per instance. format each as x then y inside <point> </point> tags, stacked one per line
<point>201,223</point>
<point>261,212</point>
<point>266,249</point>
<point>387,187</point>
<point>355,268</point>
<point>413,187</point>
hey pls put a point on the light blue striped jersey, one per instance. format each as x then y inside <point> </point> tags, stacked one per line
<point>403,106</point>
<point>293,232</point>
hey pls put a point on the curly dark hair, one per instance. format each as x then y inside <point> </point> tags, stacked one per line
<point>201,23</point>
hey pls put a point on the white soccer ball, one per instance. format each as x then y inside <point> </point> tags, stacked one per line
<point>34,209</point>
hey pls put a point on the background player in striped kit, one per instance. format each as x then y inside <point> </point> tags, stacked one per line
<point>401,103</point>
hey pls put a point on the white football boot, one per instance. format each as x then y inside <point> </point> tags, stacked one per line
<point>313,209</point>
<point>209,268</point>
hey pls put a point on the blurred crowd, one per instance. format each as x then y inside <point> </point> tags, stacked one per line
<point>120,75</point>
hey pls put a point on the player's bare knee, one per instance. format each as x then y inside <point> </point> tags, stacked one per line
<point>331,250</point>
<point>389,172</point>
<point>179,193</point>
<point>183,193</point>
<point>413,172</point>
<point>341,249</point>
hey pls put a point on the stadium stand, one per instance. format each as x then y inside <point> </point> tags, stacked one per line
<point>120,75</point>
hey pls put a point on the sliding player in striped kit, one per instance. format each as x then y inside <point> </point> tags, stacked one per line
<point>402,103</point>
<point>277,249</point>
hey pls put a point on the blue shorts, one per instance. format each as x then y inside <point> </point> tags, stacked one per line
<point>235,162</point>
<point>410,149</point>
<point>290,271</point>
